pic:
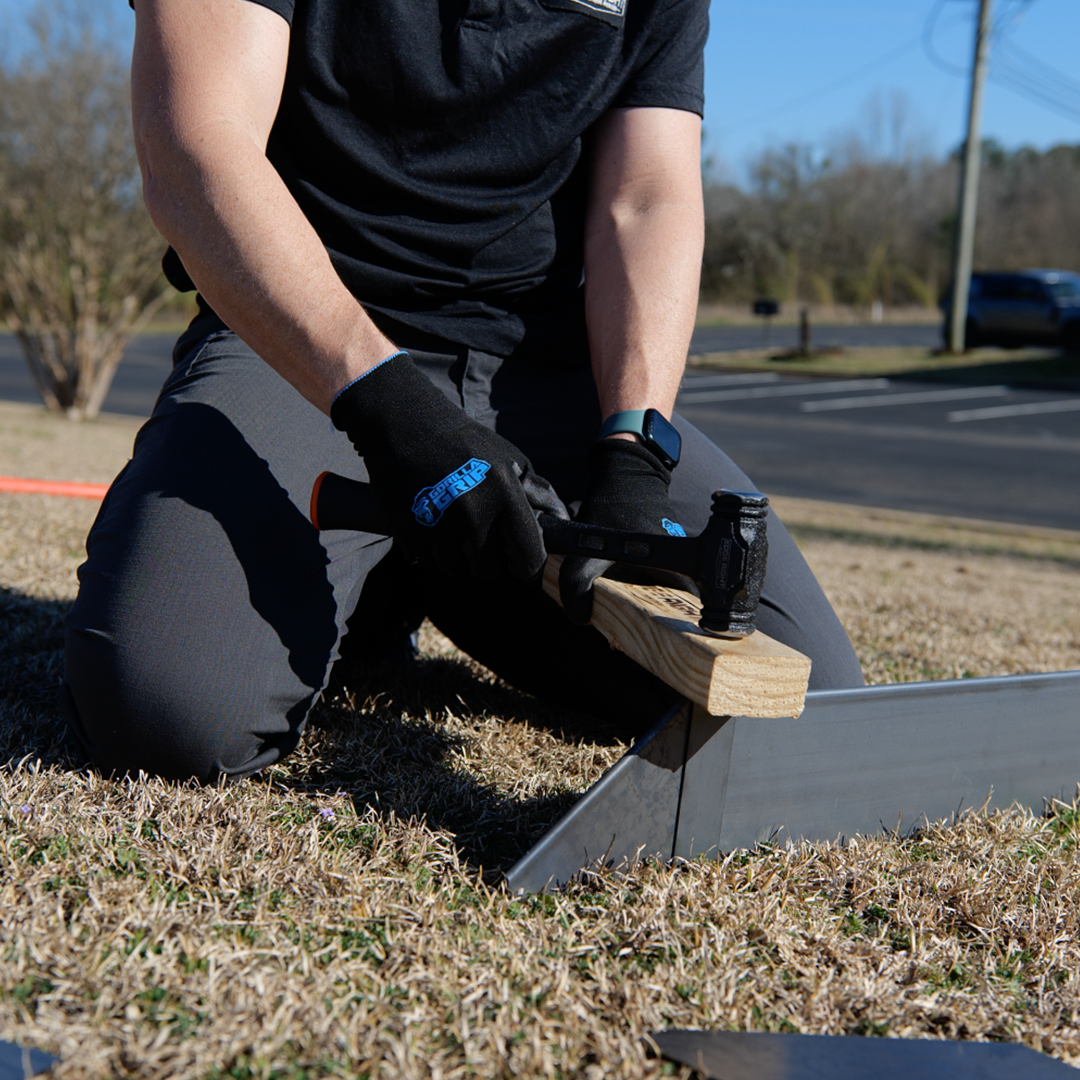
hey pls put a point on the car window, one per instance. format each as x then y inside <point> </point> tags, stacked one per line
<point>1061,290</point>
<point>1029,289</point>
<point>999,288</point>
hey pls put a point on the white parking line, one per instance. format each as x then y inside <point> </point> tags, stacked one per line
<point>696,382</point>
<point>914,398</point>
<point>786,390</point>
<point>1031,409</point>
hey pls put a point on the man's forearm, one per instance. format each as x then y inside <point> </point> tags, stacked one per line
<point>206,81</point>
<point>259,264</point>
<point>643,249</point>
<point>641,301</point>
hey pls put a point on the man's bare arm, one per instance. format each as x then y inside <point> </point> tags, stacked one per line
<point>643,245</point>
<point>206,83</point>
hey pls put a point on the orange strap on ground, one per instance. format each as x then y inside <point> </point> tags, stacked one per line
<point>53,487</point>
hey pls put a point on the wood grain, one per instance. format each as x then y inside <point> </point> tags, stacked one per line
<point>657,627</point>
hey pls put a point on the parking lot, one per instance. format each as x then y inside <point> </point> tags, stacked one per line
<point>983,451</point>
<point>987,451</point>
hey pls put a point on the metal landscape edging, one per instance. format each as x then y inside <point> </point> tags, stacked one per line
<point>856,761</point>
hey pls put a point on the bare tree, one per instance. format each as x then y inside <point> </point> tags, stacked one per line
<point>1029,208</point>
<point>874,217</point>
<point>79,257</point>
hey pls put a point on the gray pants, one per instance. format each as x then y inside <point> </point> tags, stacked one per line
<point>210,611</point>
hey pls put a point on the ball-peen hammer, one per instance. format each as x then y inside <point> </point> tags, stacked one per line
<point>726,561</point>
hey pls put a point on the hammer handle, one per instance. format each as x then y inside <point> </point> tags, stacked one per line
<point>679,554</point>
<point>340,503</point>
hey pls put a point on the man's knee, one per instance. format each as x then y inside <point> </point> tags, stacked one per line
<point>138,707</point>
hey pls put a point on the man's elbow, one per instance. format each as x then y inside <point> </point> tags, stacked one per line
<point>156,163</point>
<point>153,192</point>
<point>174,172</point>
<point>678,211</point>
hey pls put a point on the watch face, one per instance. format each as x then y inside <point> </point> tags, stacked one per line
<point>658,432</point>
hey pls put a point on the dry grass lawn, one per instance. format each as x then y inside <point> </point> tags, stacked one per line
<point>342,915</point>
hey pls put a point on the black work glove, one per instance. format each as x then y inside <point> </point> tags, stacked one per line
<point>456,493</point>
<point>628,489</point>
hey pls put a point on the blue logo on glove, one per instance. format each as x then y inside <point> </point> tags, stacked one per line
<point>431,502</point>
<point>672,528</point>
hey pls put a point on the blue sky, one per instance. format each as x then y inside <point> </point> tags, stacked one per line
<point>813,71</point>
<point>780,71</point>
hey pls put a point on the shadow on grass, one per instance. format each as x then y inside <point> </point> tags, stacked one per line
<point>383,738</point>
<point>386,738</point>
<point>31,665</point>
<point>1058,372</point>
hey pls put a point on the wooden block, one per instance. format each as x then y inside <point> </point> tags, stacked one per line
<point>657,627</point>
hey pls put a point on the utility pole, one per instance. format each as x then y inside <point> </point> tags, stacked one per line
<point>969,184</point>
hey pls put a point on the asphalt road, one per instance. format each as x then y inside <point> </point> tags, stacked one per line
<point>987,452</point>
<point>148,358</point>
<point>897,443</point>
<point>134,390</point>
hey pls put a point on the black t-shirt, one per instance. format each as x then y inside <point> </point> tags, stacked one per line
<point>434,147</point>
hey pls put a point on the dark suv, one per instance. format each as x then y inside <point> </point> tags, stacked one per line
<point>1022,307</point>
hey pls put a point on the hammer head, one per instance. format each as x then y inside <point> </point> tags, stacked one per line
<point>726,562</point>
<point>731,562</point>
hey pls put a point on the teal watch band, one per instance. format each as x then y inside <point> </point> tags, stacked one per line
<point>632,420</point>
<point>655,432</point>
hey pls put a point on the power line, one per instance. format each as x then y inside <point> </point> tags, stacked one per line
<point>828,88</point>
<point>1011,66</point>
<point>933,17</point>
<point>1018,70</point>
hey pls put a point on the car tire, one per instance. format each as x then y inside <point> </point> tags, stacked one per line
<point>973,336</point>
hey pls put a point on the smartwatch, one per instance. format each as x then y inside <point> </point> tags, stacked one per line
<point>657,434</point>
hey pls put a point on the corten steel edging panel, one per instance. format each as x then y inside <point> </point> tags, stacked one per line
<point>858,761</point>
<point>629,813</point>
<point>706,771</point>
<point>765,1055</point>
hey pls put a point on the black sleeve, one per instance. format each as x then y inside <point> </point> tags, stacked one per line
<point>284,8</point>
<point>671,71</point>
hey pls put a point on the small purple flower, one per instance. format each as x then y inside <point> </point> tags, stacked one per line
<point>25,808</point>
<point>327,813</point>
